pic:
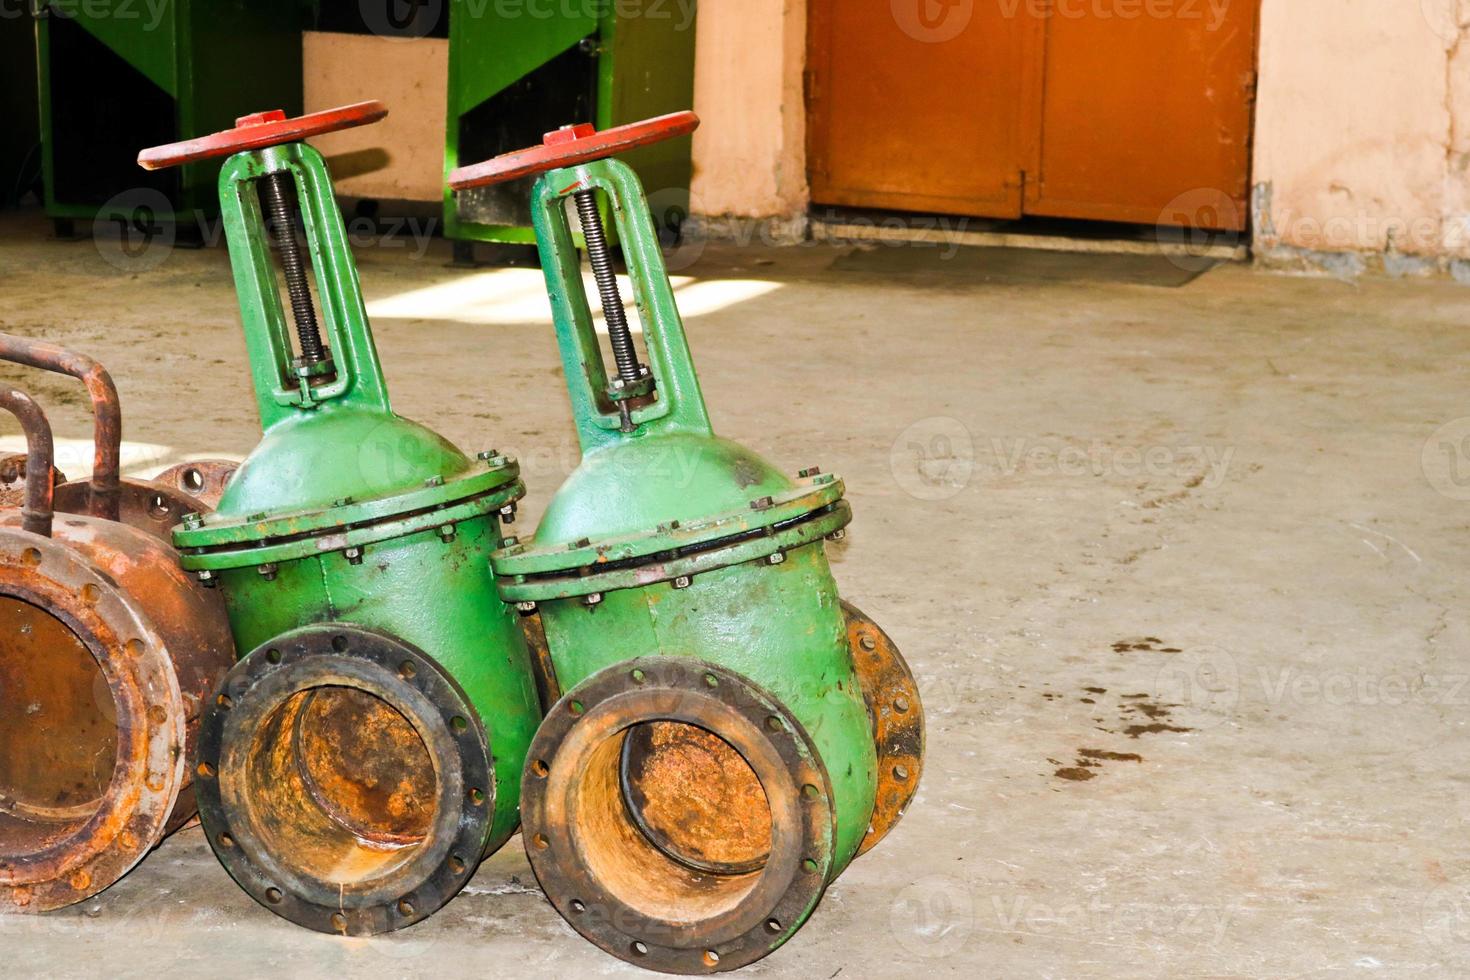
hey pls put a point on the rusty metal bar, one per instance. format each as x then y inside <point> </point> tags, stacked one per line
<point>104,495</point>
<point>40,477</point>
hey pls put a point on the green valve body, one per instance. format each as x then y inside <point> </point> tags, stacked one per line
<point>359,763</point>
<point>711,766</point>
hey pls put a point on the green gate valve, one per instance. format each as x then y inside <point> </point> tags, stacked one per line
<point>712,766</point>
<point>365,756</point>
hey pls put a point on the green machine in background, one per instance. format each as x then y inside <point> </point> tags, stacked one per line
<point>116,74</point>
<point>20,153</point>
<point>515,64</point>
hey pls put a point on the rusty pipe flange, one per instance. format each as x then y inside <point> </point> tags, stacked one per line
<point>153,508</point>
<point>53,856</point>
<point>345,781</point>
<point>13,477</point>
<point>203,480</point>
<point>613,882</point>
<point>893,701</point>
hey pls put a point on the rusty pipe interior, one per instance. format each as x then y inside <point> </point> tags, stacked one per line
<point>58,736</point>
<point>673,820</point>
<point>105,492</point>
<point>339,783</point>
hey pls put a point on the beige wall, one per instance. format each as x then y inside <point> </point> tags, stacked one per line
<point>1363,129</point>
<point>750,152</point>
<point>402,157</point>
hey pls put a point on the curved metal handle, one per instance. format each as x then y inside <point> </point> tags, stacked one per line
<point>680,403</point>
<point>260,130</point>
<point>36,512</point>
<point>103,499</point>
<point>573,145</point>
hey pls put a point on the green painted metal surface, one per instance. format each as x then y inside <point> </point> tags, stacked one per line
<point>622,522</point>
<point>186,57</point>
<point>644,51</point>
<point>346,512</point>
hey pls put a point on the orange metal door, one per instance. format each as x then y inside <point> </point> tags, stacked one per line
<point>1146,118</point>
<point>1118,110</point>
<point>917,105</point>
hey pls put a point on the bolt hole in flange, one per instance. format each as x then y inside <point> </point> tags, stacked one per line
<point>897,713</point>
<point>58,730</point>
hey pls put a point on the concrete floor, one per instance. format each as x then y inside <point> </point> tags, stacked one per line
<point>1182,573</point>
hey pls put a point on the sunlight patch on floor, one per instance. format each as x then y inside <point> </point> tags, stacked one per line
<point>142,460</point>
<point>518,296</point>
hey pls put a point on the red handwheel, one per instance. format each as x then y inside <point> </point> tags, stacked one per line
<point>571,145</point>
<point>260,130</point>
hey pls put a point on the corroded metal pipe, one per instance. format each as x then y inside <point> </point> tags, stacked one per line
<point>107,655</point>
<point>40,476</point>
<point>104,495</point>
